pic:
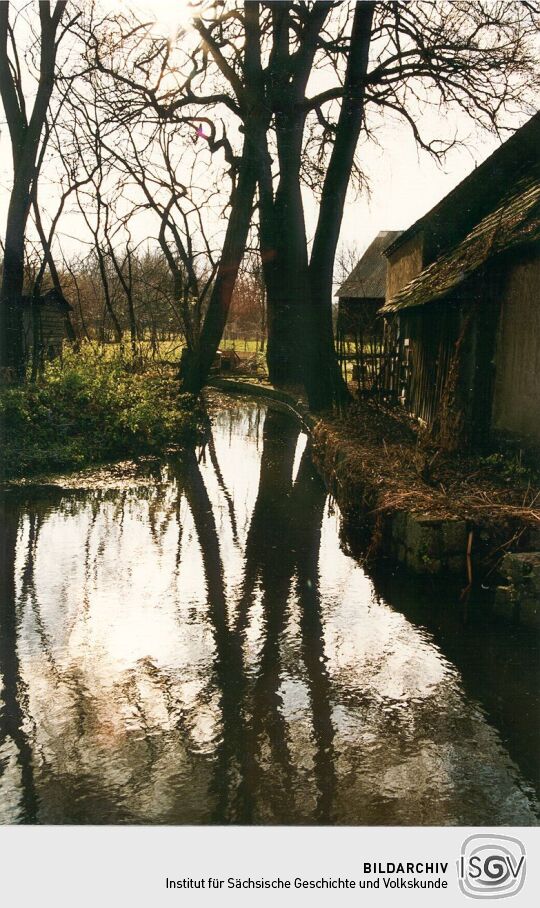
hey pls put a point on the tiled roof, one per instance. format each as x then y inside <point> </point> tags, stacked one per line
<point>515,221</point>
<point>367,280</point>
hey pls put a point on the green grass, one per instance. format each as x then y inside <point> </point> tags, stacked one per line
<point>241,346</point>
<point>92,408</point>
<point>168,350</point>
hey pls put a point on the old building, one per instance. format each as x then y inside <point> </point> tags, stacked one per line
<point>46,324</point>
<point>462,294</point>
<point>359,329</point>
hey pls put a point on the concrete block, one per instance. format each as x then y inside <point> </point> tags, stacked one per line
<point>457,564</point>
<point>522,571</point>
<point>429,545</point>
<point>505,603</point>
<point>422,563</point>
<point>534,538</point>
<point>518,567</point>
<point>399,526</point>
<point>454,536</point>
<point>423,538</point>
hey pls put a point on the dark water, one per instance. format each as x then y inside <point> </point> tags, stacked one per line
<point>192,645</point>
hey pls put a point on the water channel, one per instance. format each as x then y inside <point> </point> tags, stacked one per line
<point>191,643</point>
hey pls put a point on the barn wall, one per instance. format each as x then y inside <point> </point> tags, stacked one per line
<point>404,264</point>
<point>53,330</point>
<point>359,314</point>
<point>435,392</point>
<point>516,406</point>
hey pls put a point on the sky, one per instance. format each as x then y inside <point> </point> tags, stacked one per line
<point>403,181</point>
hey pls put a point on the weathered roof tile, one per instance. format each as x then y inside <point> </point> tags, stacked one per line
<point>515,221</point>
<point>367,280</point>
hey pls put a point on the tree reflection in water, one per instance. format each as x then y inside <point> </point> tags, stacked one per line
<point>282,546</point>
<point>191,646</point>
<point>14,703</point>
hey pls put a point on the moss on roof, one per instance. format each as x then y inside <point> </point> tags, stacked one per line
<point>483,189</point>
<point>514,222</point>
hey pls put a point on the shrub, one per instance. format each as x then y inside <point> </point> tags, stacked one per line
<point>88,409</point>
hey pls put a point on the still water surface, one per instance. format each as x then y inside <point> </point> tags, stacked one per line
<point>193,645</point>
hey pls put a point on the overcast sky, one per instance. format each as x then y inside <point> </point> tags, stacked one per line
<point>404,182</point>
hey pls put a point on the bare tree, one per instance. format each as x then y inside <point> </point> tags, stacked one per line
<point>26,134</point>
<point>151,87</point>
<point>475,57</point>
<point>397,58</point>
<point>180,208</point>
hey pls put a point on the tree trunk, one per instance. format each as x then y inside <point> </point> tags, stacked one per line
<point>283,231</point>
<point>196,362</point>
<point>132,327</point>
<point>300,345</point>
<point>25,134</point>
<point>12,354</point>
<point>118,333</point>
<point>324,382</point>
<point>284,254</point>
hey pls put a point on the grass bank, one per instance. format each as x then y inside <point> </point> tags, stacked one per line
<point>91,408</point>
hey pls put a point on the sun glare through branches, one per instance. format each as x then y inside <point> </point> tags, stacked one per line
<point>170,16</point>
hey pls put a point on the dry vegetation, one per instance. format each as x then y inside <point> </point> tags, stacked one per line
<point>378,463</point>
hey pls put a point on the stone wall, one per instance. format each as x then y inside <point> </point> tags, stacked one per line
<point>519,597</point>
<point>429,546</point>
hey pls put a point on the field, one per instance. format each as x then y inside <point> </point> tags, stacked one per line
<point>168,350</point>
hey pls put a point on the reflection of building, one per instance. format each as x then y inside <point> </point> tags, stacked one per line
<point>462,286</point>
<point>359,329</point>
<point>46,322</point>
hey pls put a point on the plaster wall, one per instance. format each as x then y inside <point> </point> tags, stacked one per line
<point>516,404</point>
<point>404,264</point>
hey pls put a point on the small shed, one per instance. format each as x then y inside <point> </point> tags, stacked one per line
<point>359,327</point>
<point>46,324</point>
<point>226,361</point>
<point>470,313</point>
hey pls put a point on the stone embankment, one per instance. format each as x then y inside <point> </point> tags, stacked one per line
<point>519,596</point>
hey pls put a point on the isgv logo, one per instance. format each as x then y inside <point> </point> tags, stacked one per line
<point>491,866</point>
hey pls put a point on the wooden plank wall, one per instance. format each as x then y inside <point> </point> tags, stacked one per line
<point>51,325</point>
